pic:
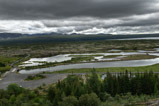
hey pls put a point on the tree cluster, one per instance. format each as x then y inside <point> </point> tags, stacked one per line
<point>89,90</point>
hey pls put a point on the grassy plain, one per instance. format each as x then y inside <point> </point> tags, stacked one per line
<point>139,57</point>
<point>7,62</point>
<point>45,49</point>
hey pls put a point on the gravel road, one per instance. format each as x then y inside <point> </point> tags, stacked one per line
<point>19,79</point>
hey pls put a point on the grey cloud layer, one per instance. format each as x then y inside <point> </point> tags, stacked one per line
<point>52,9</point>
<point>79,16</point>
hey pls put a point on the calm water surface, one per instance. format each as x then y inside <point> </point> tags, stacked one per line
<point>131,63</point>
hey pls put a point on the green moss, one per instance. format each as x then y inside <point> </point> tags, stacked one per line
<point>35,77</point>
<point>139,57</point>
<point>81,59</point>
<point>112,56</point>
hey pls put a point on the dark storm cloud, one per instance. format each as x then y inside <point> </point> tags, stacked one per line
<point>79,16</point>
<point>52,9</point>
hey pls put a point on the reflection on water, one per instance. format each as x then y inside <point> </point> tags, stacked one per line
<point>148,38</point>
<point>114,50</point>
<point>66,57</point>
<point>131,63</point>
<point>97,57</point>
<point>40,61</point>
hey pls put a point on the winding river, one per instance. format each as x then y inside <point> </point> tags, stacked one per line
<point>99,64</point>
<point>131,63</point>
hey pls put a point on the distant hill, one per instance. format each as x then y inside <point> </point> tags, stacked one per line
<point>19,35</point>
<point>10,35</point>
<point>74,35</point>
<point>54,38</point>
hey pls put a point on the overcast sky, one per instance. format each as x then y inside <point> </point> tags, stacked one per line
<point>79,16</point>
